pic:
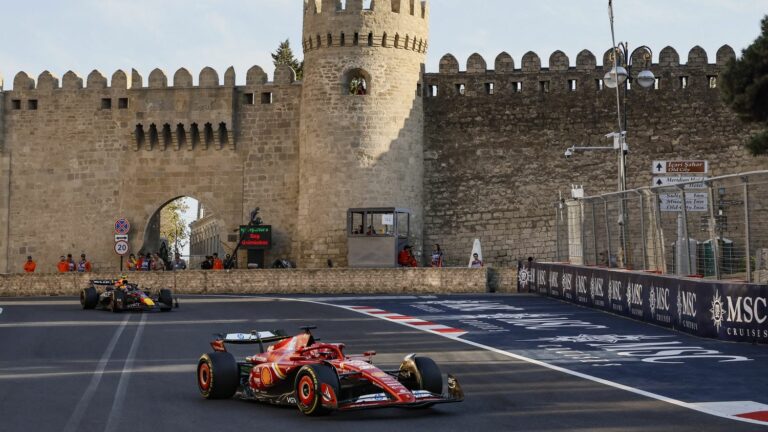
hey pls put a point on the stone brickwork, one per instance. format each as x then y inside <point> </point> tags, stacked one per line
<point>495,140</point>
<point>287,282</point>
<point>359,150</point>
<point>474,153</point>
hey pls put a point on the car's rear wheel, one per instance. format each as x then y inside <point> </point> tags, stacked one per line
<point>217,375</point>
<point>317,389</point>
<point>117,303</point>
<point>89,298</point>
<point>166,300</point>
<point>421,373</point>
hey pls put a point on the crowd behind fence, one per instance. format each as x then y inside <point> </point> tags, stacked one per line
<point>721,232</point>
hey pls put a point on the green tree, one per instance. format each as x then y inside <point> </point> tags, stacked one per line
<point>172,225</point>
<point>745,88</point>
<point>284,55</point>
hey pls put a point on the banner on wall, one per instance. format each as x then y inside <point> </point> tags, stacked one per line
<point>713,309</point>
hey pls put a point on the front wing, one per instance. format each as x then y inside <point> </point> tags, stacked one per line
<point>423,399</point>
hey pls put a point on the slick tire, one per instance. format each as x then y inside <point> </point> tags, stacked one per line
<point>89,298</point>
<point>166,300</point>
<point>421,373</point>
<point>217,375</point>
<point>317,388</point>
<point>117,303</point>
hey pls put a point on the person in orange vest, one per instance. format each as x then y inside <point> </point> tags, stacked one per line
<point>84,266</point>
<point>405,258</point>
<point>63,265</point>
<point>218,264</point>
<point>29,266</point>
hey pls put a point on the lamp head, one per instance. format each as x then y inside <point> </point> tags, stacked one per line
<point>615,77</point>
<point>646,79</point>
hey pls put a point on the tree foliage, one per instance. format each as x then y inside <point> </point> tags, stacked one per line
<point>284,56</point>
<point>172,225</point>
<point>745,88</point>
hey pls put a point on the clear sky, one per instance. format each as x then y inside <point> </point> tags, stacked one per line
<point>82,35</point>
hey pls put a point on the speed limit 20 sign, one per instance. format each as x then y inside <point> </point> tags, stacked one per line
<point>121,247</point>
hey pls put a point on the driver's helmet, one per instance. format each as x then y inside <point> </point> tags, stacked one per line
<point>121,281</point>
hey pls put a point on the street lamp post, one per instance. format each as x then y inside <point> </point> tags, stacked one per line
<point>621,75</point>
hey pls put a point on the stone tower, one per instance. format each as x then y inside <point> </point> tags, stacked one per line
<point>362,121</point>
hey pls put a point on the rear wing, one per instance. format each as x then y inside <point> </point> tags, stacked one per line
<point>254,337</point>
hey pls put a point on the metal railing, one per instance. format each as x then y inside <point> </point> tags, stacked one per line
<point>721,232</point>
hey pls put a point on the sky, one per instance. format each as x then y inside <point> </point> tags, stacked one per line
<point>82,35</point>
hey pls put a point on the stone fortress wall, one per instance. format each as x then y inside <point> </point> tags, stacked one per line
<point>486,162</point>
<point>495,141</point>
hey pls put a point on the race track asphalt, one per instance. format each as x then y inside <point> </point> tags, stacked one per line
<point>65,369</point>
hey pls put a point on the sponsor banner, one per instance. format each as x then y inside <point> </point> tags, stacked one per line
<point>735,312</point>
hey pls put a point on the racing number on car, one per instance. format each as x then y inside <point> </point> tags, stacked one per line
<point>121,247</point>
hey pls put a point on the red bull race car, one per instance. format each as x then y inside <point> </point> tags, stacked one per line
<point>317,377</point>
<point>118,295</point>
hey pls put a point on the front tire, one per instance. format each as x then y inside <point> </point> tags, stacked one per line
<point>317,389</point>
<point>421,373</point>
<point>217,375</point>
<point>165,298</point>
<point>89,298</point>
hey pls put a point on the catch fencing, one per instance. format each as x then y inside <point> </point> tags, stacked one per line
<point>721,233</point>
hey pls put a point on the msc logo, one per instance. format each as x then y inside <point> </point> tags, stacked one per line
<point>740,310</point>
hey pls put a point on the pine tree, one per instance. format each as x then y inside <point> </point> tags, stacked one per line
<point>745,88</point>
<point>284,55</point>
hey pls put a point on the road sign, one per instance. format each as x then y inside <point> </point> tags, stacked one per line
<point>121,247</point>
<point>694,202</point>
<point>122,226</point>
<point>680,167</point>
<point>675,180</point>
<point>121,237</point>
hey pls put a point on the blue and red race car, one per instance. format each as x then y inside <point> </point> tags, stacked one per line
<point>318,377</point>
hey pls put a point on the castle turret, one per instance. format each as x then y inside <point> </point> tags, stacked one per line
<point>361,118</point>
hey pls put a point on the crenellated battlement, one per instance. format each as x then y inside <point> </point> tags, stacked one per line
<point>414,8</point>
<point>561,76</point>
<point>157,79</point>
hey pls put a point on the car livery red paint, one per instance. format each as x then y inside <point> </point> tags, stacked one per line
<point>318,377</point>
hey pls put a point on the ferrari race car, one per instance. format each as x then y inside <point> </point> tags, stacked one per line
<point>118,295</point>
<point>318,377</point>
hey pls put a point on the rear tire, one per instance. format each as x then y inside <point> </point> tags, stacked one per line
<point>166,300</point>
<point>89,298</point>
<point>217,375</point>
<point>315,385</point>
<point>117,302</point>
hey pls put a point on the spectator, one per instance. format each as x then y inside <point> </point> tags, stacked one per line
<point>217,263</point>
<point>71,263</point>
<point>146,263</point>
<point>163,254</point>
<point>157,263</point>
<point>132,263</point>
<point>208,263</point>
<point>29,266</point>
<point>229,262</point>
<point>178,263</point>
<point>84,266</point>
<point>437,257</point>
<point>139,262</point>
<point>63,265</point>
<point>476,262</point>
<point>405,258</point>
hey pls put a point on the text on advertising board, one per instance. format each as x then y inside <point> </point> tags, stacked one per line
<point>256,237</point>
<point>680,167</point>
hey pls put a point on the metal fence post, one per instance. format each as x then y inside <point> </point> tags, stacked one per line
<point>747,237</point>
<point>607,233</point>
<point>686,238</point>
<point>594,232</point>
<point>660,249</point>
<point>713,231</point>
<point>642,227</point>
<point>557,232</point>
<point>583,235</point>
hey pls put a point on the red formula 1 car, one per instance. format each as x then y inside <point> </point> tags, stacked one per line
<point>318,377</point>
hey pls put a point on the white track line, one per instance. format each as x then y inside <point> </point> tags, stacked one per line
<point>679,403</point>
<point>122,385</point>
<point>73,424</point>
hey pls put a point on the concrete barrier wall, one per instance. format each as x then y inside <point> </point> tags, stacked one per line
<point>289,281</point>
